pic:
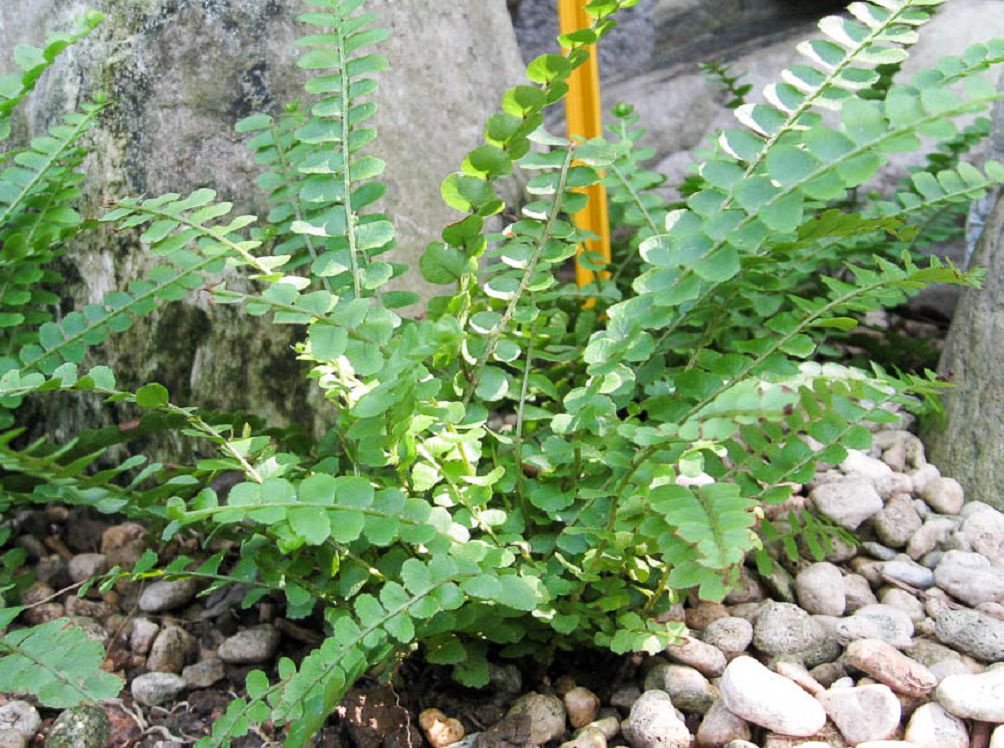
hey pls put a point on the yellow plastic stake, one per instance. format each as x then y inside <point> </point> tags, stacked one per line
<point>584,114</point>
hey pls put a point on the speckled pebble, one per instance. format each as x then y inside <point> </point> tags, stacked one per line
<point>653,723</point>
<point>972,633</point>
<point>730,635</point>
<point>169,650</point>
<point>80,727</point>
<point>897,521</point>
<point>877,622</point>
<point>786,629</point>
<point>21,717</point>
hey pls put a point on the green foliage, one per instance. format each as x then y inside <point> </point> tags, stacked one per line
<point>56,662</point>
<point>719,72</point>
<point>517,471</point>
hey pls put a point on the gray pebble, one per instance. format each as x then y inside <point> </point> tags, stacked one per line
<point>83,566</point>
<point>969,577</point>
<point>152,689</point>
<point>847,502</point>
<point>204,674</point>
<point>779,583</point>
<point>877,622</point>
<point>250,646</point>
<point>820,589</point>
<point>857,593</point>
<point>624,697</point>
<point>879,551</point>
<point>161,596</point>
<point>731,635</point>
<point>897,521</point>
<point>688,689</point>
<point>786,629</point>
<point>908,572</point>
<point>21,717</point>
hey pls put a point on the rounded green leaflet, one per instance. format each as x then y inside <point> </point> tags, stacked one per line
<point>152,395</point>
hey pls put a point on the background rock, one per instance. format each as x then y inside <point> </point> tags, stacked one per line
<point>182,73</point>
<point>969,445</point>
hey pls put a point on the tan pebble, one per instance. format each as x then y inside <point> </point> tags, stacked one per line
<point>588,737</point>
<point>704,613</point>
<point>888,665</point>
<point>701,656</point>
<point>581,705</point>
<point>439,729</point>
<point>609,726</point>
<point>428,717</point>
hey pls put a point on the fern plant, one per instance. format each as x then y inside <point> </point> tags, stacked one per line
<point>518,471</point>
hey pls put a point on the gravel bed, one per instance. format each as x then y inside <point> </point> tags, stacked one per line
<point>896,643</point>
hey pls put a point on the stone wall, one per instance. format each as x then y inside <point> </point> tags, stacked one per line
<point>970,443</point>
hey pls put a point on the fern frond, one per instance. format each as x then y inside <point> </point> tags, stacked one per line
<point>337,177</point>
<point>58,663</point>
<point>33,63</point>
<point>37,217</point>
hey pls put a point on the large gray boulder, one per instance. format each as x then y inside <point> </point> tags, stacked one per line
<point>181,73</point>
<point>970,446</point>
